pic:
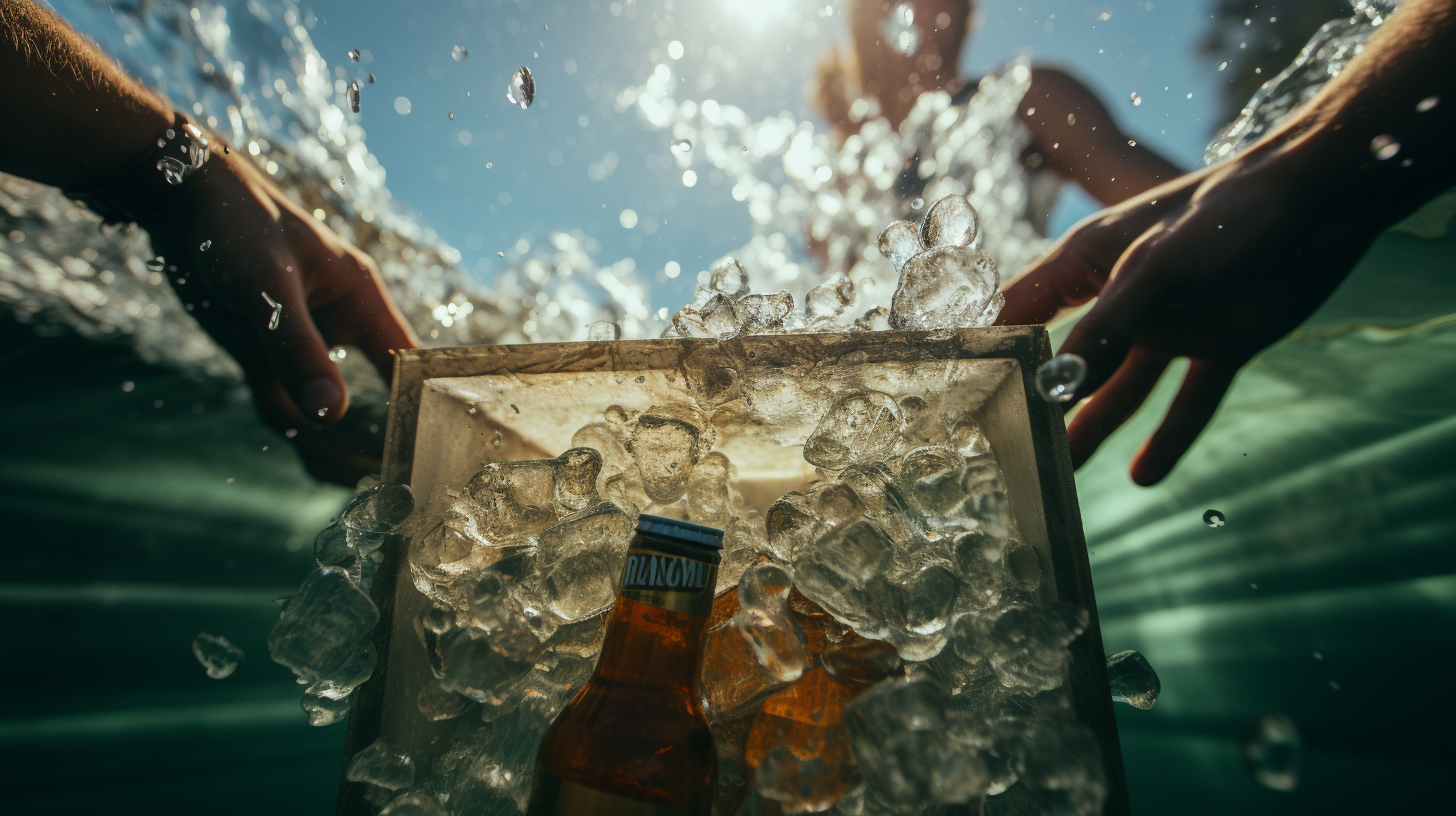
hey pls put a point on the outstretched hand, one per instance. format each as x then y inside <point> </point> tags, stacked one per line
<point>262,249</point>
<point>1214,267</point>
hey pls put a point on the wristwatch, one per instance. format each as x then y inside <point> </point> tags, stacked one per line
<point>177,154</point>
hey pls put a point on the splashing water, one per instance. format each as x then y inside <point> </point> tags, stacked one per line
<point>1321,59</point>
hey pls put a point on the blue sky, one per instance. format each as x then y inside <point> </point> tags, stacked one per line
<point>497,178</point>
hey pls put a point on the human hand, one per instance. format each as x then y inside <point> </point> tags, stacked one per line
<point>1214,266</point>
<point>330,293</point>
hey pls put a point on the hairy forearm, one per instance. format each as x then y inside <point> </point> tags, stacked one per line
<point>1400,94</point>
<point>73,116</point>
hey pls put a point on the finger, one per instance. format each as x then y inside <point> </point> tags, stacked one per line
<point>1076,269</point>
<point>1202,390</point>
<point>1104,336</point>
<point>363,314</point>
<point>1118,399</point>
<point>295,348</point>
<point>240,341</point>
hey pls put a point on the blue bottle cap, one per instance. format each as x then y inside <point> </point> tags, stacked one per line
<point>684,531</point>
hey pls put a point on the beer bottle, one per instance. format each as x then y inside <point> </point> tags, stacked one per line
<point>634,741</point>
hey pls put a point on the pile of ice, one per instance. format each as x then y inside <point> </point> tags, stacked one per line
<point>944,281</point>
<point>882,641</point>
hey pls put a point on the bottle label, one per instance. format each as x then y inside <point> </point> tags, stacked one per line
<point>669,581</point>
<point>554,796</point>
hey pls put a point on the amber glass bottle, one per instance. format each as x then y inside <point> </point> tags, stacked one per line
<point>634,741</point>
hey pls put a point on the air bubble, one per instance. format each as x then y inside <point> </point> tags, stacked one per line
<point>1213,518</point>
<point>1058,379</point>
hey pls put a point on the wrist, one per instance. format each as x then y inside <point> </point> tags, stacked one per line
<point>152,177</point>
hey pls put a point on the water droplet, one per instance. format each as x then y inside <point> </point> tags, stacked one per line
<point>452,114</point>
<point>1384,146</point>
<point>171,134</point>
<point>157,264</point>
<point>459,53</point>
<point>522,88</point>
<point>206,245</point>
<point>1427,104</point>
<point>291,432</point>
<point>488,165</point>
<point>917,204</point>
<point>337,354</point>
<point>682,146</point>
<point>354,96</point>
<point>1136,100</point>
<point>371,79</point>
<point>1213,518</point>
<point>500,254</point>
<point>1132,142</point>
<point>161,142</point>
<point>342,181</point>
<point>1071,118</point>
<point>354,54</point>
<point>172,169</point>
<point>1271,749</point>
<point>323,411</point>
<point>128,385</point>
<point>1057,379</point>
<point>745,150</point>
<point>1104,16</point>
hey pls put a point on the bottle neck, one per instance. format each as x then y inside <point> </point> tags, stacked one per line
<point>650,647</point>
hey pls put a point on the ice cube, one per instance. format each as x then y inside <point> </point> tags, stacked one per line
<point>349,675</point>
<point>619,480</point>
<point>859,660</point>
<point>384,764</point>
<point>952,222</point>
<point>413,803</point>
<point>804,722</point>
<point>331,547</point>
<point>580,559</point>
<point>861,427</point>
<point>800,785</point>
<point>323,710</point>
<point>732,679</point>
<point>844,571</point>
<point>323,625</point>
<point>1132,679</point>
<point>217,655</point>
<point>709,494</point>
<point>485,668</point>
<point>764,314</point>
<point>372,516</point>
<point>1027,645</point>
<point>830,299</point>
<point>900,242</point>
<point>516,498</point>
<point>1271,750</point>
<point>665,444</point>
<point>985,489</point>
<point>1021,565</point>
<point>438,703</point>
<point>898,730</point>
<point>931,477</point>
<point>792,526</point>
<point>604,330</point>
<point>1062,762</point>
<point>948,287</point>
<point>728,277</point>
<point>764,621</point>
<point>720,317</point>
<point>576,478</point>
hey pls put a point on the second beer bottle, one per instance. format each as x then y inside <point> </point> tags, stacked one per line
<point>634,741</point>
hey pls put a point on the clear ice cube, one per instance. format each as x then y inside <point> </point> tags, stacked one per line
<point>580,557</point>
<point>861,427</point>
<point>665,444</point>
<point>384,764</point>
<point>900,242</point>
<point>952,222</point>
<point>323,625</point>
<point>948,287</point>
<point>728,277</point>
<point>1133,680</point>
<point>217,655</point>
